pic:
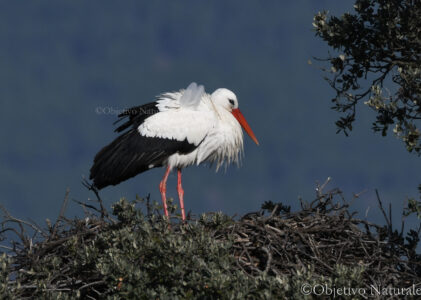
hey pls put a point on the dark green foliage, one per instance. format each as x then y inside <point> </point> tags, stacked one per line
<point>414,206</point>
<point>269,254</point>
<point>378,45</point>
<point>377,60</point>
<point>135,256</point>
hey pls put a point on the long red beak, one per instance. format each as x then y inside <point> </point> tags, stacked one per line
<point>240,118</point>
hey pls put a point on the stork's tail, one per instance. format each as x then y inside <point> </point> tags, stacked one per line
<point>102,171</point>
<point>116,162</point>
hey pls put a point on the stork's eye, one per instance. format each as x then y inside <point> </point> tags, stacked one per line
<point>232,102</point>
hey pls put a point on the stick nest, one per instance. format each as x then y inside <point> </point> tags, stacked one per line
<point>137,252</point>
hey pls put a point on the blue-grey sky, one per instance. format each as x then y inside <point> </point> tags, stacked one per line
<point>67,68</point>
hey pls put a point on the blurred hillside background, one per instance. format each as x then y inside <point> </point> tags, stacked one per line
<point>67,68</point>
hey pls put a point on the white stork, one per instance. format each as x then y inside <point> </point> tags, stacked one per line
<point>179,129</point>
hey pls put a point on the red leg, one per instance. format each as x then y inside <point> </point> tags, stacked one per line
<point>163,190</point>
<point>180,194</point>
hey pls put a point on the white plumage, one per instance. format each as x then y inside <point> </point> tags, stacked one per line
<point>202,121</point>
<point>178,130</point>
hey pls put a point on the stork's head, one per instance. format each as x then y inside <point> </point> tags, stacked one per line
<point>228,100</point>
<point>225,98</point>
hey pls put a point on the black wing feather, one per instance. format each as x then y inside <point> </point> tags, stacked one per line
<point>136,116</point>
<point>131,154</point>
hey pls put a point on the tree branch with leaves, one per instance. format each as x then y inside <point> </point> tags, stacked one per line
<point>377,62</point>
